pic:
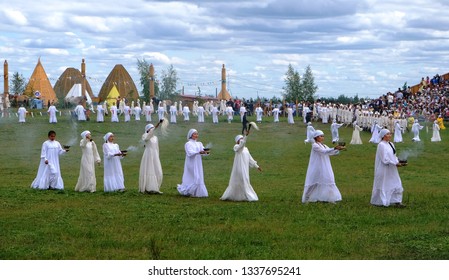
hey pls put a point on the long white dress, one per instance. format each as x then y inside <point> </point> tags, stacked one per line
<point>137,111</point>
<point>173,113</point>
<point>22,113</point>
<point>276,113</point>
<point>87,181</point>
<point>239,188</point>
<point>150,175</point>
<point>49,175</point>
<point>113,173</point>
<point>398,129</point>
<point>387,186</point>
<point>416,127</point>
<point>375,129</point>
<point>215,114</point>
<point>320,182</point>
<point>436,133</point>
<point>114,113</point>
<point>80,112</point>
<point>52,112</point>
<point>186,112</point>
<point>259,113</point>
<point>356,140</point>
<point>193,177</point>
<point>309,133</point>
<point>334,131</point>
<point>200,112</point>
<point>290,116</point>
<point>100,113</point>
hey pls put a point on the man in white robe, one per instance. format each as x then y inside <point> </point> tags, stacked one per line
<point>239,187</point>
<point>49,172</point>
<point>87,181</point>
<point>22,114</point>
<point>387,186</point>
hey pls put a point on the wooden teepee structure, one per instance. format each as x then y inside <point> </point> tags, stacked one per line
<point>66,81</point>
<point>121,79</point>
<point>40,82</point>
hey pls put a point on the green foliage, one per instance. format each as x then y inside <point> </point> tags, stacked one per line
<point>18,83</point>
<point>75,226</point>
<point>297,90</point>
<point>144,70</point>
<point>168,84</point>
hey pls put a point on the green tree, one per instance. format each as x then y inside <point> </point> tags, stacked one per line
<point>168,84</point>
<point>17,84</point>
<point>308,87</point>
<point>292,88</point>
<point>144,70</point>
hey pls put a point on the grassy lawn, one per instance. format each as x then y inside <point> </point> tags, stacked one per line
<point>76,226</point>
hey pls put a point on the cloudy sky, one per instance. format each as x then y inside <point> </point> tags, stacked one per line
<point>364,47</point>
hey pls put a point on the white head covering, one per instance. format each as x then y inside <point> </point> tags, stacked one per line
<point>191,131</point>
<point>238,137</point>
<point>317,133</point>
<point>106,136</point>
<point>84,133</point>
<point>416,121</point>
<point>383,132</point>
<point>309,123</point>
<point>148,127</point>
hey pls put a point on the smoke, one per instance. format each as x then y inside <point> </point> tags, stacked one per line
<point>131,149</point>
<point>413,152</point>
<point>208,146</point>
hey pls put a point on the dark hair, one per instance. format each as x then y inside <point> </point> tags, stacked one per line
<point>51,132</point>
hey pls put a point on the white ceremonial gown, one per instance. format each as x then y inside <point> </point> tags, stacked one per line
<point>239,188</point>
<point>22,113</point>
<point>113,173</point>
<point>150,175</point>
<point>49,175</point>
<point>387,186</point>
<point>87,181</point>
<point>290,116</point>
<point>193,177</point>
<point>416,127</point>
<point>100,113</point>
<point>356,140</point>
<point>436,133</point>
<point>320,182</point>
<point>114,114</point>
<point>397,133</point>
<point>52,112</point>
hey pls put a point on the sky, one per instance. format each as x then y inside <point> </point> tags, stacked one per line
<point>354,47</point>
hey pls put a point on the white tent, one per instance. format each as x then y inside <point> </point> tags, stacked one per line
<point>75,96</point>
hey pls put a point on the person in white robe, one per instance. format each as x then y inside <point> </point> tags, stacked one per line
<point>114,179</point>
<point>186,112</point>
<point>310,131</point>
<point>320,182</point>
<point>416,127</point>
<point>87,181</point>
<point>215,113</point>
<point>239,187</point>
<point>22,113</point>
<point>114,113</point>
<point>334,130</point>
<point>276,114</point>
<point>356,140</point>
<point>259,114</point>
<point>161,110</point>
<point>150,174</point>
<point>387,186</point>
<point>100,113</point>
<point>436,132</point>
<point>193,177</point>
<point>398,130</point>
<point>148,110</point>
<point>49,172</point>
<point>52,114</point>
<point>127,112</point>
<point>173,113</point>
<point>200,114</point>
<point>375,130</point>
<point>80,112</point>
<point>290,116</point>
<point>137,111</point>
<point>230,113</point>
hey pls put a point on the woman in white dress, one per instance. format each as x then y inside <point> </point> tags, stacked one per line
<point>22,114</point>
<point>239,188</point>
<point>193,177</point>
<point>100,113</point>
<point>150,175</point>
<point>259,113</point>
<point>436,132</point>
<point>113,173</point>
<point>186,112</point>
<point>290,116</point>
<point>52,114</point>
<point>375,129</point>
<point>416,127</point>
<point>387,186</point>
<point>320,182</point>
<point>398,130</point>
<point>87,182</point>
<point>49,172</point>
<point>114,113</point>
<point>334,131</point>
<point>276,113</point>
<point>356,140</point>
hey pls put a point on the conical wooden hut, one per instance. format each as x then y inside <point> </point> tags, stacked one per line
<point>39,82</point>
<point>66,81</point>
<point>121,79</point>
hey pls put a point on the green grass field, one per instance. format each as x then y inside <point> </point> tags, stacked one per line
<point>76,226</point>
